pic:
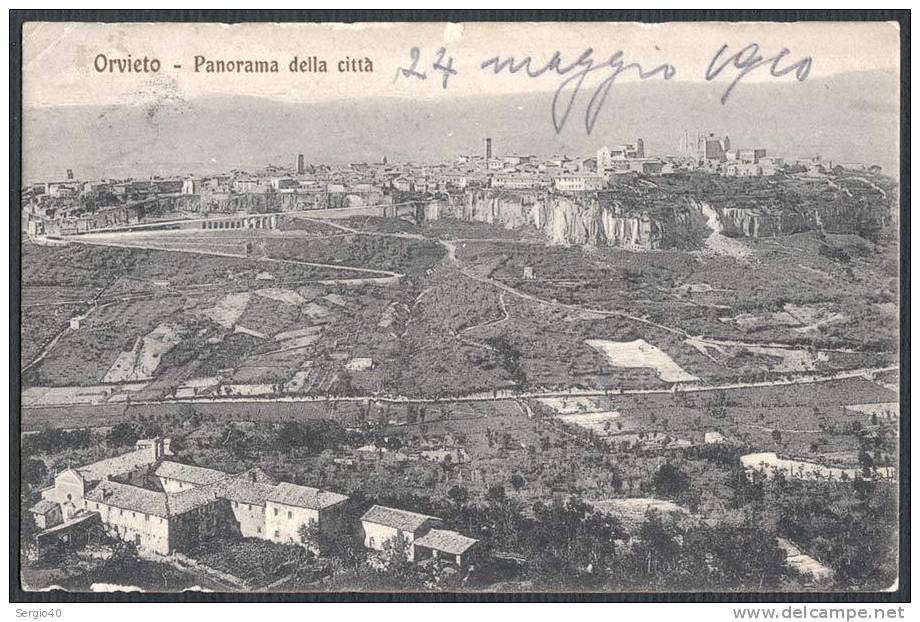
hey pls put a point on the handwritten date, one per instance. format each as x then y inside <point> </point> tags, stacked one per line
<point>748,59</point>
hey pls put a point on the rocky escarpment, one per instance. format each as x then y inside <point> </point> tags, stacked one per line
<point>668,213</point>
<point>832,208</point>
<point>757,223</point>
<point>563,220</point>
<point>250,203</point>
<point>838,218</point>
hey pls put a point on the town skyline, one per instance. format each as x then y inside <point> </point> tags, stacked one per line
<point>862,129</point>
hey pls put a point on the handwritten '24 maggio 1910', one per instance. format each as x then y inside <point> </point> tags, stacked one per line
<point>734,65</point>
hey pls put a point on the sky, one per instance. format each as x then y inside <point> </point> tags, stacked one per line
<point>58,58</point>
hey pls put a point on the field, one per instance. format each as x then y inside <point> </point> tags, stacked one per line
<point>833,302</point>
<point>172,316</point>
<point>252,307</point>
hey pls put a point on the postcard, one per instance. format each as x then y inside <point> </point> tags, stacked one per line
<point>460,307</point>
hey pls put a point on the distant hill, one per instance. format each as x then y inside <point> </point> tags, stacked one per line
<point>850,117</point>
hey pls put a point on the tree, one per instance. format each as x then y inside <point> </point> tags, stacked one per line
<point>34,472</point>
<point>458,494</point>
<point>517,482</point>
<point>121,435</point>
<point>496,494</point>
<point>396,553</point>
<point>310,536</point>
<point>670,481</point>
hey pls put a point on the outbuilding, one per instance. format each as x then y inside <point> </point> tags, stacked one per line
<point>446,545</point>
<point>46,514</point>
<point>381,524</point>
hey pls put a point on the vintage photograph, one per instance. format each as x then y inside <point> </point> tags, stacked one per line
<point>460,307</point>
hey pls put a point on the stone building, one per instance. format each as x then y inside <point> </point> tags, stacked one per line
<point>46,514</point>
<point>289,506</point>
<point>447,546</point>
<point>175,476</point>
<point>381,524</point>
<point>160,505</point>
<point>70,486</point>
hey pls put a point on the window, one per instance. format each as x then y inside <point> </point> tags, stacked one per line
<point>258,530</point>
<point>276,511</point>
<point>69,497</point>
<point>289,514</point>
<point>277,533</point>
<point>146,518</point>
<point>133,515</point>
<point>121,512</point>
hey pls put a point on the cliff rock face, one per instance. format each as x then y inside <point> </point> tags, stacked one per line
<point>568,222</point>
<point>833,217</point>
<point>250,203</point>
<point>563,220</point>
<point>755,223</point>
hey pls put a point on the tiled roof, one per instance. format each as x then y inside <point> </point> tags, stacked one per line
<point>245,491</point>
<point>252,486</point>
<point>118,465</point>
<point>189,473</point>
<point>399,519</point>
<point>129,498</point>
<point>304,496</point>
<point>43,507</point>
<point>185,500</point>
<point>447,541</point>
<point>156,503</point>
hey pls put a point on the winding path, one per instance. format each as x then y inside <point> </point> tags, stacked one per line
<point>451,258</point>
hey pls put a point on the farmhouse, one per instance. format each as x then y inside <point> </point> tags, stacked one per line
<point>445,545</point>
<point>161,506</point>
<point>289,506</point>
<point>46,514</point>
<point>180,504</point>
<point>175,476</point>
<point>70,486</point>
<point>381,524</point>
<point>133,514</point>
<point>248,497</point>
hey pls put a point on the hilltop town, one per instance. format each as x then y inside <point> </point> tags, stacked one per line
<point>504,372</point>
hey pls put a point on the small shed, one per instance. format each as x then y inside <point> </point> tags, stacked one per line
<point>446,545</point>
<point>46,514</point>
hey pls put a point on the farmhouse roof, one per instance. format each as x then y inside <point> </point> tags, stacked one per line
<point>118,465</point>
<point>399,519</point>
<point>186,500</point>
<point>304,497</point>
<point>249,492</point>
<point>130,498</point>
<point>43,507</point>
<point>189,473</point>
<point>447,541</point>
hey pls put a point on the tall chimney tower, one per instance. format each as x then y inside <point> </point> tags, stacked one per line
<point>640,148</point>
<point>488,149</point>
<point>301,168</point>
